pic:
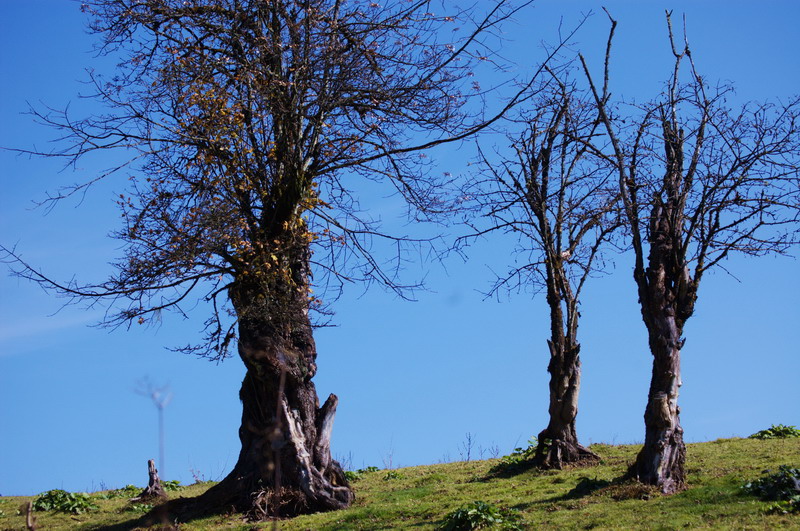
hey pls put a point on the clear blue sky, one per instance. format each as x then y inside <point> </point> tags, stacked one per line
<point>412,378</point>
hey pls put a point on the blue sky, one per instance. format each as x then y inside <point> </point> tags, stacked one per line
<point>412,378</point>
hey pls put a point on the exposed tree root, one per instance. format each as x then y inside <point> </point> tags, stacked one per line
<point>558,453</point>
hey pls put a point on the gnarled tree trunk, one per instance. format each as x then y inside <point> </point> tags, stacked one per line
<point>285,466</point>
<point>667,294</point>
<point>558,443</point>
<point>661,460</point>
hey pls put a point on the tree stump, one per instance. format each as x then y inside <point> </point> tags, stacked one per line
<point>154,489</point>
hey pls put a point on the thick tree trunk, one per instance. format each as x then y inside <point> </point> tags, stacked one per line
<point>285,466</point>
<point>558,443</point>
<point>662,458</point>
<point>667,294</point>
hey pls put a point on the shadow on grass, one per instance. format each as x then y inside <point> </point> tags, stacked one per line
<point>509,470</point>
<point>618,489</point>
<point>134,523</point>
<point>366,517</point>
<point>585,487</point>
<point>159,518</point>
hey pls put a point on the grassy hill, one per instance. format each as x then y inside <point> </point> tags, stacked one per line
<point>580,498</point>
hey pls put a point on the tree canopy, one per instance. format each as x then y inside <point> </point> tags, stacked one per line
<point>242,125</point>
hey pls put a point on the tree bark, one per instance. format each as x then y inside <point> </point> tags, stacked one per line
<point>154,489</point>
<point>285,466</point>
<point>661,462</point>
<point>558,443</point>
<point>665,304</point>
<point>667,294</point>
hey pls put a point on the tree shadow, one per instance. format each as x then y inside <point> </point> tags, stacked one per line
<point>618,489</point>
<point>166,516</point>
<point>134,523</point>
<point>510,470</point>
<point>585,487</point>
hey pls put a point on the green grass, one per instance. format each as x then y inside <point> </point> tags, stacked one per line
<point>582,498</point>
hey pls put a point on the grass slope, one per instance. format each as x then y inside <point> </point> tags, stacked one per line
<point>580,498</point>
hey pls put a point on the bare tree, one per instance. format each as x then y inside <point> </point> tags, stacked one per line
<point>699,182</point>
<point>244,123</point>
<point>559,199</point>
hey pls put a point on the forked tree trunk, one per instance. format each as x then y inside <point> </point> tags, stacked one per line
<point>667,300</point>
<point>667,294</point>
<point>558,443</point>
<point>285,466</point>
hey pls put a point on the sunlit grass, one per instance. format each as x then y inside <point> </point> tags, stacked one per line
<point>583,498</point>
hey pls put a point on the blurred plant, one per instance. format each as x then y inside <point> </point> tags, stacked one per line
<point>465,448</point>
<point>138,507</point>
<point>128,491</point>
<point>161,397</point>
<point>171,485</point>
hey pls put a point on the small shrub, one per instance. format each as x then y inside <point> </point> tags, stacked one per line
<point>354,475</point>
<point>782,487</point>
<point>521,454</point>
<point>171,485</point>
<point>128,491</point>
<point>392,474</point>
<point>63,501</point>
<point>482,515</point>
<point>777,432</point>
